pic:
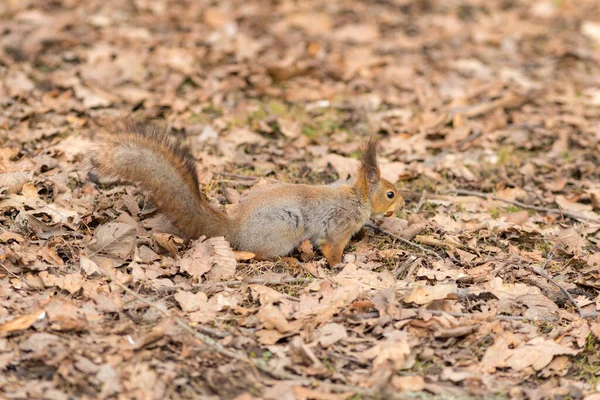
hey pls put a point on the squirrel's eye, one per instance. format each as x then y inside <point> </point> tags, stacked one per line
<point>390,194</point>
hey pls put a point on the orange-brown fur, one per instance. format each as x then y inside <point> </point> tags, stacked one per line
<point>272,221</point>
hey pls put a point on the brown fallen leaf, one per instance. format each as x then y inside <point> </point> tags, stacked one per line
<point>413,383</point>
<point>244,255</point>
<point>14,181</point>
<point>265,294</point>
<point>331,333</point>
<point>426,294</point>
<point>213,257</point>
<point>22,322</point>
<point>64,315</point>
<point>393,349</point>
<point>224,259</point>
<point>114,239</point>
<point>169,242</point>
<point>537,353</point>
<point>190,302</point>
<point>157,333</point>
<point>272,318</point>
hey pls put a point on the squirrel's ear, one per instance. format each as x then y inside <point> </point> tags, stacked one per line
<point>368,161</point>
<point>372,176</point>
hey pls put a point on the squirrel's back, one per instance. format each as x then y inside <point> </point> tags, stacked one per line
<point>275,224</point>
<point>147,156</point>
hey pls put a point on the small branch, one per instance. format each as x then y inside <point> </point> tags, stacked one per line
<point>551,280</point>
<point>421,202</point>
<point>401,269</point>
<point>401,239</point>
<point>573,215</point>
<point>591,315</point>
<point>497,316</point>
<point>17,277</point>
<point>464,144</point>
<point>260,281</point>
<point>375,314</point>
<point>264,281</point>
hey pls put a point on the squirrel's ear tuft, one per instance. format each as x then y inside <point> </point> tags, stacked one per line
<point>128,125</point>
<point>368,160</point>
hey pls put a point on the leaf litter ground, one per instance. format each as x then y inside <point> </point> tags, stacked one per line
<point>484,286</point>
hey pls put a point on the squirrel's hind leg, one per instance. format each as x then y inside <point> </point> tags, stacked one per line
<point>334,249</point>
<point>333,253</point>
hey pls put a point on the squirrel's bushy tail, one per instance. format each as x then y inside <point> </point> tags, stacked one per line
<point>146,155</point>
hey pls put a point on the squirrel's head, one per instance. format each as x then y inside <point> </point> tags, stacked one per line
<point>382,193</point>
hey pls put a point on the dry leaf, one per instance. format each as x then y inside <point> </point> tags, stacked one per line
<point>426,294</point>
<point>22,322</point>
<point>190,302</point>
<point>213,256</point>
<point>331,333</point>
<point>538,353</point>
<point>114,239</point>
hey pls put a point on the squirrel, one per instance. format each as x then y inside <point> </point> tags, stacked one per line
<point>271,222</point>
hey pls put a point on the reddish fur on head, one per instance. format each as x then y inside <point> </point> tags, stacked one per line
<point>382,193</point>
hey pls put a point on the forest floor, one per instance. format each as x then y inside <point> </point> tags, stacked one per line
<point>486,285</point>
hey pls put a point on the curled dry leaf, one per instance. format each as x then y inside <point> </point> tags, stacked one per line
<point>394,350</point>
<point>537,353</point>
<point>244,255</point>
<point>89,267</point>
<point>426,294</point>
<point>14,181</point>
<point>271,317</point>
<point>331,333</point>
<point>302,354</point>
<point>190,302</point>
<point>224,259</point>
<point>21,323</point>
<point>114,239</point>
<point>265,294</point>
<point>352,275</point>
<point>522,299</point>
<point>213,257</point>
<point>69,282</point>
<point>59,215</point>
<point>64,315</point>
<point>170,243</point>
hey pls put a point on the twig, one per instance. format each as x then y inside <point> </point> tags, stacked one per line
<point>260,281</point>
<point>263,281</point>
<point>375,314</point>
<point>18,277</point>
<point>523,205</point>
<point>551,280</point>
<point>463,144</point>
<point>497,316</point>
<point>421,202</point>
<point>401,239</point>
<point>404,266</point>
<point>255,363</point>
<point>591,315</point>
